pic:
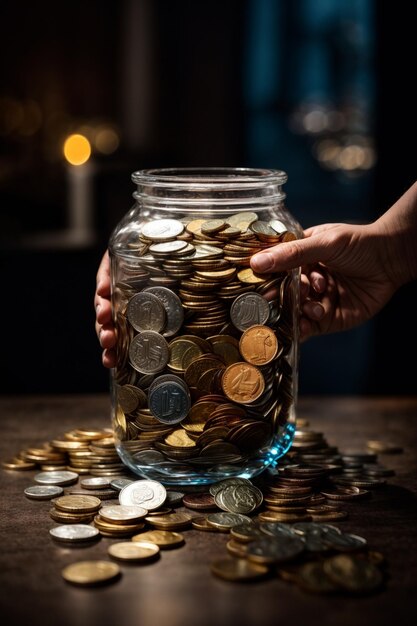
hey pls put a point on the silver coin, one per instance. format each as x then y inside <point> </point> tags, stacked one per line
<point>275,550</point>
<point>262,228</point>
<point>118,483</point>
<point>169,402</point>
<point>249,309</point>
<point>147,493</point>
<point>167,248</point>
<point>56,478</point>
<point>165,378</point>
<point>162,230</point>
<point>276,529</point>
<point>344,542</point>
<point>278,226</point>
<point>146,312</point>
<point>148,352</point>
<point>74,533</point>
<point>206,251</point>
<point>174,498</point>
<point>247,532</point>
<point>96,482</point>
<point>123,513</point>
<point>216,487</point>
<point>43,492</point>
<point>227,520</point>
<point>173,308</point>
<point>148,457</point>
<point>239,498</point>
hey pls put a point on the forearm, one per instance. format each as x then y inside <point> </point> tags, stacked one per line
<point>397,231</point>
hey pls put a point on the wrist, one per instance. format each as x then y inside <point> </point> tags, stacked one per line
<point>396,232</point>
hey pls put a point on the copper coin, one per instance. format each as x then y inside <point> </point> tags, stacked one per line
<point>258,345</point>
<point>243,383</point>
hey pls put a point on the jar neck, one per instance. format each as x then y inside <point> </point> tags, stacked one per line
<point>222,189</point>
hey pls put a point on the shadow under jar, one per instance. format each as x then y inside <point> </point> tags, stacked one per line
<point>205,384</point>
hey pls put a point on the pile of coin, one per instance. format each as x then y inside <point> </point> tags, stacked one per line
<point>278,527</point>
<point>80,451</point>
<point>206,347</point>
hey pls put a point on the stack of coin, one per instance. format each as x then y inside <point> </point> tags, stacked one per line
<point>205,346</point>
<point>76,509</point>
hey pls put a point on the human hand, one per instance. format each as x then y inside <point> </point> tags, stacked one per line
<point>344,275</point>
<point>104,322</point>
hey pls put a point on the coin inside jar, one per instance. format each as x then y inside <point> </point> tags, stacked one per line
<point>219,346</point>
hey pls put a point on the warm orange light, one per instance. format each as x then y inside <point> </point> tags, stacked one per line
<point>77,149</point>
<point>106,140</point>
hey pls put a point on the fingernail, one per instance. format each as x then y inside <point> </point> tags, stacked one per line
<point>263,262</point>
<point>98,309</point>
<point>318,311</point>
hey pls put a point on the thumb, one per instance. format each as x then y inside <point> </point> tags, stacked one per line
<point>297,253</point>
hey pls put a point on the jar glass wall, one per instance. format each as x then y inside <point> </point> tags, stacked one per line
<point>205,384</point>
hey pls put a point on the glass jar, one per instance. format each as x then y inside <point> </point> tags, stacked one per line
<point>205,383</point>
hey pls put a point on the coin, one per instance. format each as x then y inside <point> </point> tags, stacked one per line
<point>239,498</point>
<point>165,539</point>
<point>312,577</point>
<point>162,230</point>
<point>169,402</point>
<point>78,504</point>
<point>41,492</point>
<point>384,447</point>
<point>74,533</point>
<point>146,312</point>
<point>147,493</point>
<point>56,478</point>
<point>243,383</point>
<point>353,574</point>
<point>118,483</point>
<point>238,569</point>
<point>170,521</point>
<point>88,573</point>
<point>199,501</point>
<point>225,521</point>
<point>249,309</point>
<point>123,514</point>
<point>134,551</point>
<point>173,308</point>
<point>258,345</point>
<point>148,352</point>
<point>96,482</point>
<point>274,550</point>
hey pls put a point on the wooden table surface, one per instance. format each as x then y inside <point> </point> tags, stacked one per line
<point>179,590</point>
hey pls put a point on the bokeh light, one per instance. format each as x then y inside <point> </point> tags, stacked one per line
<point>77,149</point>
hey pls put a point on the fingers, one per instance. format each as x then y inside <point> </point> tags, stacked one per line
<point>109,358</point>
<point>318,247</point>
<point>103,277</point>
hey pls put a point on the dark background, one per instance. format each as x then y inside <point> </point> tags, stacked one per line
<point>262,83</point>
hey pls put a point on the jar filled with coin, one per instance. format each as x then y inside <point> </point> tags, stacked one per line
<point>205,383</point>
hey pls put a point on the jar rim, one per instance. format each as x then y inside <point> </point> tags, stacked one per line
<point>210,177</point>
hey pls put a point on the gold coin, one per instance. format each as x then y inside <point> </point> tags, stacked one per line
<point>165,539</point>
<point>243,383</point>
<point>195,225</point>
<point>70,518</point>
<point>78,504</point>
<point>134,551</point>
<point>171,521</point>
<point>201,523</point>
<point>238,569</point>
<point>17,464</point>
<point>86,573</point>
<point>249,276</point>
<point>258,345</point>
<point>179,439</point>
